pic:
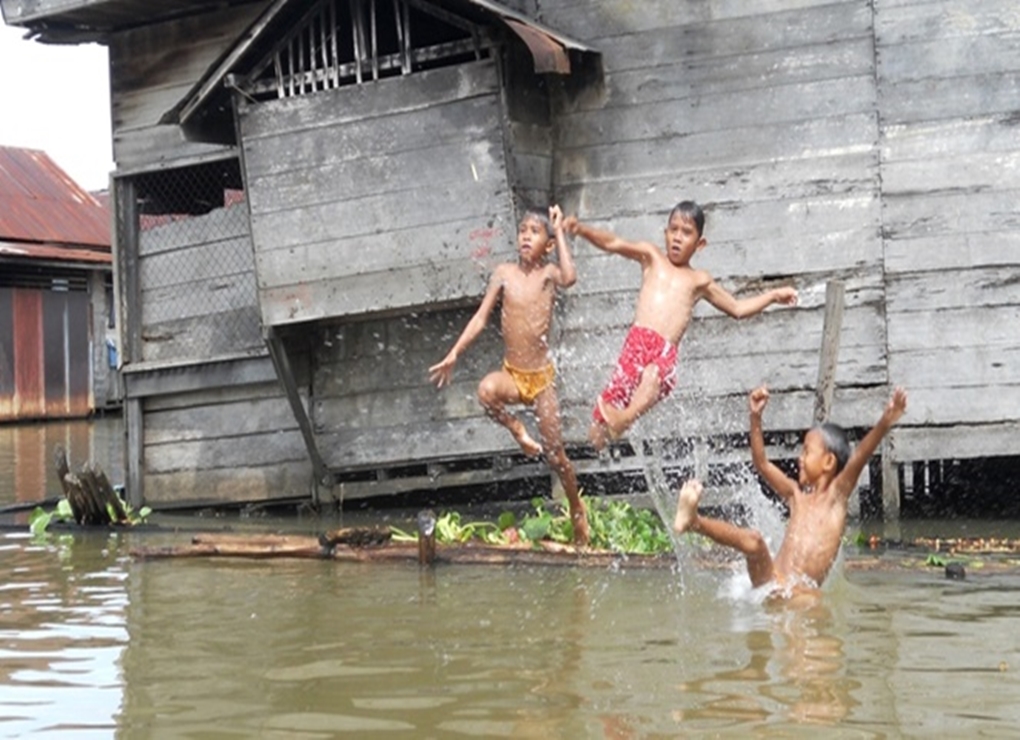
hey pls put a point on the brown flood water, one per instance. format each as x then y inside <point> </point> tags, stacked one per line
<point>94,643</point>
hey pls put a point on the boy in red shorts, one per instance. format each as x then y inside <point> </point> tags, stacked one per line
<point>670,288</point>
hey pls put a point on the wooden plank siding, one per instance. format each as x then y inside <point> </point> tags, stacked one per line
<point>948,90</point>
<point>374,198</point>
<point>766,114</point>
<point>198,293</point>
<point>872,142</point>
<point>152,68</point>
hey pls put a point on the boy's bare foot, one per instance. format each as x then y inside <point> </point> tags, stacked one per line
<point>520,432</point>
<point>579,518</point>
<point>687,506</point>
<point>616,423</point>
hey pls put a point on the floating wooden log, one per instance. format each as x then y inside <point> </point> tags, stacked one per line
<point>308,547</point>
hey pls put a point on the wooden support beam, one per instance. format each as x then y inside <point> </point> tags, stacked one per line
<point>890,484</point>
<point>833,324</point>
<point>285,374</point>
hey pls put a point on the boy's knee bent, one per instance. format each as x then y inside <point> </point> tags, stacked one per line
<point>488,392</point>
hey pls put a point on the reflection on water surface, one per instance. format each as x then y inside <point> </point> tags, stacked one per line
<point>98,642</point>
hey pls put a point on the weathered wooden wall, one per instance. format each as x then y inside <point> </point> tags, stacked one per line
<point>197,281</point>
<point>949,99</point>
<point>215,426</point>
<point>870,142</point>
<point>381,197</point>
<point>765,113</point>
<point>152,68</point>
<point>217,433</point>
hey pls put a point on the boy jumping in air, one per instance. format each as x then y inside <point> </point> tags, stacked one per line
<point>670,288</point>
<point>817,501</point>
<point>528,291</point>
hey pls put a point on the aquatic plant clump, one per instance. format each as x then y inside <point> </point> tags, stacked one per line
<point>615,526</point>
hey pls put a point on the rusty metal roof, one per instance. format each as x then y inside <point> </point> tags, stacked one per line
<point>40,203</point>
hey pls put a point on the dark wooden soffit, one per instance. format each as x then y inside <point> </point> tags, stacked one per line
<point>85,21</point>
<point>549,49</point>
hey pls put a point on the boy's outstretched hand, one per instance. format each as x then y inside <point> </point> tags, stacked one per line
<point>442,372</point>
<point>570,224</point>
<point>556,217</point>
<point>758,400</point>
<point>786,296</point>
<point>897,406</point>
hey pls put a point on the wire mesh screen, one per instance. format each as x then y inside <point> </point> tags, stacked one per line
<point>196,269</point>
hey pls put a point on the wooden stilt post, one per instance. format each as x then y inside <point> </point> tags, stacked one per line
<point>833,324</point>
<point>890,484</point>
<point>827,361</point>
<point>426,537</point>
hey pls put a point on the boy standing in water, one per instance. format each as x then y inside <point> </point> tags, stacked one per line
<point>817,501</point>
<point>670,288</point>
<point>528,291</point>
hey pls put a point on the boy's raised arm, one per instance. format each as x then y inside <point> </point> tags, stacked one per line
<point>776,478</point>
<point>744,307</point>
<point>442,372</point>
<point>847,478</point>
<point>567,273</point>
<point>607,241</point>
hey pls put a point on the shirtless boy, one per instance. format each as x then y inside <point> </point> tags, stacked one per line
<point>670,288</point>
<point>817,501</point>
<point>528,290</point>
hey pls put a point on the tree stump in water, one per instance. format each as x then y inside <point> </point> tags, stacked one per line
<point>92,498</point>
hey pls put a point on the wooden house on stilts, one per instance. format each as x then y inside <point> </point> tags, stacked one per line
<point>309,197</point>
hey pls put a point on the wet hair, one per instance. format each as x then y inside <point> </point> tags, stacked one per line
<point>542,218</point>
<point>690,210</point>
<point>836,441</point>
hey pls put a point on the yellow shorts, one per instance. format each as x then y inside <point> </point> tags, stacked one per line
<point>530,383</point>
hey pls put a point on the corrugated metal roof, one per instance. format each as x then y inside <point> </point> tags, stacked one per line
<point>39,202</point>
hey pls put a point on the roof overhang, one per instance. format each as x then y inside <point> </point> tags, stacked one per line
<point>549,49</point>
<point>54,254</point>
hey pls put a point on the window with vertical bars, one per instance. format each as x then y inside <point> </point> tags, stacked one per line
<point>349,42</point>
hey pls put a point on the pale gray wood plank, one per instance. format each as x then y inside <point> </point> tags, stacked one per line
<point>398,288</point>
<point>949,368</point>
<point>199,338</point>
<point>224,453</point>
<point>908,23</point>
<point>974,248</point>
<point>714,112</point>
<point>960,441</point>
<point>800,179</point>
<point>418,94</point>
<point>813,139</point>
<point>212,422</point>
<point>958,97</point>
<point>959,173</point>
<point>205,231</point>
<point>949,214</point>
<point>243,483</point>
<point>469,122</point>
<point>983,326</point>
<point>948,57</point>
<point>752,70</point>
<point>396,174</point>
<point>975,288</point>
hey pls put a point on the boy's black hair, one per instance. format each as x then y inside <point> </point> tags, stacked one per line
<point>836,441</point>
<point>536,214</point>
<point>690,209</point>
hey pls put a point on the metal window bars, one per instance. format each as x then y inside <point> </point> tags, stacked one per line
<point>350,42</point>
